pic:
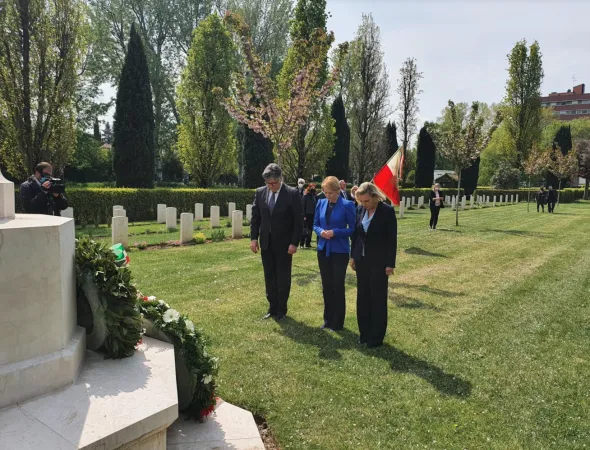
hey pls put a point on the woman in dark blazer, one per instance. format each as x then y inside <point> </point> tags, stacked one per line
<point>437,200</point>
<point>374,248</point>
<point>334,223</point>
<point>309,202</point>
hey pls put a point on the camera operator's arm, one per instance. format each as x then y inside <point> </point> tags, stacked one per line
<point>61,202</point>
<point>32,202</point>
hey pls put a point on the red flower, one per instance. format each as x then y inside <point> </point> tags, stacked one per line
<point>145,299</point>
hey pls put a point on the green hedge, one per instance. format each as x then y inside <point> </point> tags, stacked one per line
<point>95,205</point>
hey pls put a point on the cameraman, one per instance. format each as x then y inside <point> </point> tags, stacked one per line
<point>37,196</point>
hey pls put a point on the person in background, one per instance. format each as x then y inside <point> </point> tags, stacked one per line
<point>343,192</point>
<point>35,193</point>
<point>374,248</point>
<point>436,203</point>
<point>301,187</point>
<point>551,199</point>
<point>541,199</point>
<point>277,221</point>
<point>309,204</point>
<point>334,224</point>
<point>353,193</point>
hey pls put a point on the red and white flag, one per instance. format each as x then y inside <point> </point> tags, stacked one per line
<point>387,178</point>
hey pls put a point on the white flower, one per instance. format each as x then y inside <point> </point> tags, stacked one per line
<point>163,303</point>
<point>205,354</point>
<point>152,298</point>
<point>207,379</point>
<point>171,316</point>
<point>190,326</point>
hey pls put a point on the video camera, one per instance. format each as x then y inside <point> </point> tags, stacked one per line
<point>58,186</point>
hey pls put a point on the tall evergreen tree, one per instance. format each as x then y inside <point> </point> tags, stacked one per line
<point>97,130</point>
<point>425,159</point>
<point>563,140</point>
<point>107,133</point>
<point>391,139</point>
<point>257,151</point>
<point>133,141</point>
<point>338,163</point>
<point>470,177</point>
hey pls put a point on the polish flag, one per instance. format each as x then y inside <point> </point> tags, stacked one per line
<point>387,178</point>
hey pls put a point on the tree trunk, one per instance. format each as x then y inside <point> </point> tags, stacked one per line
<point>586,187</point>
<point>559,192</point>
<point>528,202</point>
<point>458,198</point>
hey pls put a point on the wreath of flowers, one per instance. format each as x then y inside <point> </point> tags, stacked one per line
<point>189,343</point>
<point>116,293</point>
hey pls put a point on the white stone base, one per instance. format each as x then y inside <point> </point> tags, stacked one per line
<point>115,404</point>
<point>24,380</point>
<point>229,427</point>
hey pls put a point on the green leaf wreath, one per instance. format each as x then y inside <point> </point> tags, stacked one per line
<point>115,291</point>
<point>189,343</point>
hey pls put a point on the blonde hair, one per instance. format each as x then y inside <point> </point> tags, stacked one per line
<point>331,183</point>
<point>369,188</point>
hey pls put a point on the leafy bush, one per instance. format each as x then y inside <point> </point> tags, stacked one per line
<point>218,235</point>
<point>199,238</point>
<point>228,224</point>
<point>506,177</point>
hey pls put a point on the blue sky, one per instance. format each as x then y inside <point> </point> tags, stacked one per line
<point>461,46</point>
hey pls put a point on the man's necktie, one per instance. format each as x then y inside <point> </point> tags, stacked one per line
<point>271,202</point>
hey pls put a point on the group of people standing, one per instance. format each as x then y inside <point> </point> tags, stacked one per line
<point>546,197</point>
<point>357,229</point>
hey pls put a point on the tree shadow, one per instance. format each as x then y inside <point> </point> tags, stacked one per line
<point>304,279</point>
<point>429,290</point>
<point>521,233</point>
<point>401,301</point>
<point>448,230</point>
<point>329,346</point>
<point>422,252</point>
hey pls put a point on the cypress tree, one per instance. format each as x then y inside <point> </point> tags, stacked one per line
<point>97,130</point>
<point>257,154</point>
<point>133,129</point>
<point>563,140</point>
<point>338,164</point>
<point>391,139</point>
<point>470,177</point>
<point>425,159</point>
<point>107,133</point>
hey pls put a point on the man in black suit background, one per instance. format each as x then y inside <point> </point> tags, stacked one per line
<point>277,221</point>
<point>343,192</point>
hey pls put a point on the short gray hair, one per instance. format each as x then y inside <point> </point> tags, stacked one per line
<point>272,171</point>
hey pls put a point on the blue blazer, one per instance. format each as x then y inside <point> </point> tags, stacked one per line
<point>342,222</point>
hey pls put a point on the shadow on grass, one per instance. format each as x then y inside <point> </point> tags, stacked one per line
<point>520,233</point>
<point>401,301</point>
<point>428,290</point>
<point>421,252</point>
<point>448,230</point>
<point>329,345</point>
<point>304,279</point>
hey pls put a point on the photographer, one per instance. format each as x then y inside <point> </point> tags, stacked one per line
<point>43,194</point>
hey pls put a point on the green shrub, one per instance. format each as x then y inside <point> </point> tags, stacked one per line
<point>199,238</point>
<point>218,235</point>
<point>228,224</point>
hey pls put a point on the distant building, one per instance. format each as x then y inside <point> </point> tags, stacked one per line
<point>446,178</point>
<point>569,105</point>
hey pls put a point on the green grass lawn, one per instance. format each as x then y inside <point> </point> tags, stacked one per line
<point>487,344</point>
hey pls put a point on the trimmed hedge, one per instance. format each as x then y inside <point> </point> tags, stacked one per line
<point>95,205</point>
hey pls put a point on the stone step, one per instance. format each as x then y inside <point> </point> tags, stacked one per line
<point>229,427</point>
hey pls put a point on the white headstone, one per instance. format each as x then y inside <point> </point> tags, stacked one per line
<point>403,200</point>
<point>171,218</point>
<point>453,203</point>
<point>463,203</point>
<point>501,197</point>
<point>119,231</point>
<point>413,201</point>
<point>409,202</point>
<point>249,212</point>
<point>161,213</point>
<point>186,228</point>
<point>119,213</point>
<point>401,210</point>
<point>472,200</point>
<point>116,207</point>
<point>494,205</point>
<point>68,212</point>
<point>512,198</point>
<point>237,219</point>
<point>447,199</point>
<point>516,198</point>
<point>420,202</point>
<point>215,217</point>
<point>6,198</point>
<point>198,211</point>
<point>231,207</point>
<point>488,200</point>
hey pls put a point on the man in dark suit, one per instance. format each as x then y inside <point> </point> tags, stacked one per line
<point>343,192</point>
<point>277,221</point>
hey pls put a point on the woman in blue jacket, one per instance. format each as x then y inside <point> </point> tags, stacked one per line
<point>334,224</point>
